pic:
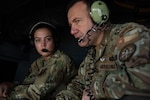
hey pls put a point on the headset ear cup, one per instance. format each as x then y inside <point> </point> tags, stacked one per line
<point>99,12</point>
<point>56,39</point>
<point>31,39</point>
<point>32,42</point>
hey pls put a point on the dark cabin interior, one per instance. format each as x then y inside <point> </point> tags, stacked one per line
<point>17,17</point>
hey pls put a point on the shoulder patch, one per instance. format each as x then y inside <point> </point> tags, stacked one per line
<point>122,41</point>
<point>126,52</point>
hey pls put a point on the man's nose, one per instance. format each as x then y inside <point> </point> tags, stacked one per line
<point>73,30</point>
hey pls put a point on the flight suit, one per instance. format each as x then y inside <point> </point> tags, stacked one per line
<point>45,78</point>
<point>121,66</point>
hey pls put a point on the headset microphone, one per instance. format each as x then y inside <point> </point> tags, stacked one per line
<point>81,39</point>
<point>92,29</point>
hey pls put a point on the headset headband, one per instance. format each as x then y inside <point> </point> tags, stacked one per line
<point>45,23</point>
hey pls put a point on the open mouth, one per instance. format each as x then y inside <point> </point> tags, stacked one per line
<point>45,50</point>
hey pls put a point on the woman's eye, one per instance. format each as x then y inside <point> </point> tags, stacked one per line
<point>48,38</point>
<point>37,40</point>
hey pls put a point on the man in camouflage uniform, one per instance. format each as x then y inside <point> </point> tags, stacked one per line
<point>118,61</point>
<point>48,74</point>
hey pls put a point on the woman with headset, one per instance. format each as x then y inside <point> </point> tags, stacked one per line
<point>48,74</point>
<point>117,65</point>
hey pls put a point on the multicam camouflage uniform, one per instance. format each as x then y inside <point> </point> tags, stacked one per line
<point>120,67</point>
<point>45,78</point>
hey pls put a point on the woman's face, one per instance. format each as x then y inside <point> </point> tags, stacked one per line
<point>44,42</point>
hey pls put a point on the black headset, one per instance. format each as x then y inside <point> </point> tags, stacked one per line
<point>42,24</point>
<point>99,12</point>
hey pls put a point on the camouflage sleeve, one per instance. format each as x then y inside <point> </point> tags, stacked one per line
<point>75,88</point>
<point>41,80</point>
<point>133,74</point>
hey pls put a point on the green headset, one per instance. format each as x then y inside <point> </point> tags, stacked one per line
<point>99,12</point>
